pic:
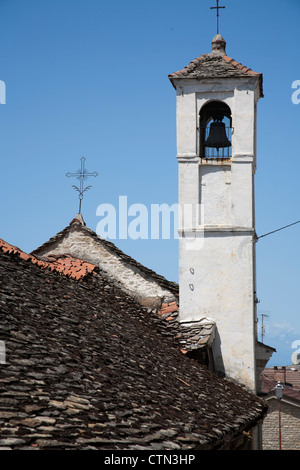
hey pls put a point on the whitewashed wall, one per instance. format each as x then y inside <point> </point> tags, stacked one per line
<point>217,273</point>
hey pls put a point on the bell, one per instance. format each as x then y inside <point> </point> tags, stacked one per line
<point>217,136</point>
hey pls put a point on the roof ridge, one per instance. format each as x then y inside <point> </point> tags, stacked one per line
<point>171,285</point>
<point>229,60</point>
<point>238,65</point>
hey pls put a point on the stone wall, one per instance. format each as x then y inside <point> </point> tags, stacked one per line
<point>148,288</point>
<point>290,427</point>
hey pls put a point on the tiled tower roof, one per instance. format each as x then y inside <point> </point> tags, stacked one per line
<point>216,64</point>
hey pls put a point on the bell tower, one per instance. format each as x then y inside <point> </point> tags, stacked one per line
<point>216,101</point>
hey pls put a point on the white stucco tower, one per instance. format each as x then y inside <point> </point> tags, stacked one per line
<point>216,151</point>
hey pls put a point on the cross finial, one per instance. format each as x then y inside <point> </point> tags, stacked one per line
<point>81,174</point>
<point>217,8</point>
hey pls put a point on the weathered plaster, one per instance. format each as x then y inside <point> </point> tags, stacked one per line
<point>217,276</point>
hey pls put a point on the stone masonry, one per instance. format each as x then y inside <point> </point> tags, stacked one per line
<point>290,427</point>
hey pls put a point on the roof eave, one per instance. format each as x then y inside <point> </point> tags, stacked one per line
<point>258,77</point>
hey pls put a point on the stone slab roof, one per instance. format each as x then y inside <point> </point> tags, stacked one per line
<point>191,337</point>
<point>289,376</point>
<point>215,64</point>
<point>78,224</point>
<point>289,392</point>
<point>88,368</point>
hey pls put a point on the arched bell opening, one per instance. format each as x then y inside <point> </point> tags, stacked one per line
<point>215,130</point>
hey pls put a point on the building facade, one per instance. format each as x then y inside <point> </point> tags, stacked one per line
<point>281,426</point>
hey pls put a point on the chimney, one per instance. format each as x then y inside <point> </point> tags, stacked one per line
<point>279,374</point>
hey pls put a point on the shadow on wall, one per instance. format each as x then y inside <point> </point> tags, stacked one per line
<point>219,367</point>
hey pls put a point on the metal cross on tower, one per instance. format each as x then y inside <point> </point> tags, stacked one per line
<point>217,8</point>
<point>82,174</point>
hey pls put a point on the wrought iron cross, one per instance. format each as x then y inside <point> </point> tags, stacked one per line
<point>82,174</point>
<point>217,8</point>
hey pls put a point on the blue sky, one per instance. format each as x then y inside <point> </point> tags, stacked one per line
<point>90,78</point>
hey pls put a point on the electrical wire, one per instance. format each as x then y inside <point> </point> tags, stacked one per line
<point>278,229</point>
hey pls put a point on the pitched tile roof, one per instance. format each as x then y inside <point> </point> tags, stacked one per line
<point>191,337</point>
<point>64,264</point>
<point>289,376</point>
<point>215,64</point>
<point>79,224</point>
<point>88,368</point>
<point>211,66</point>
<point>289,392</point>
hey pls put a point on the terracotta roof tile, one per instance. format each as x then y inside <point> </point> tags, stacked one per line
<point>289,375</point>
<point>209,65</point>
<point>191,338</point>
<point>167,308</point>
<point>77,224</point>
<point>194,336</point>
<point>84,356</point>
<point>66,264</point>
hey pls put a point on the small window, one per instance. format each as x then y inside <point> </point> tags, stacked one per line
<point>215,130</point>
